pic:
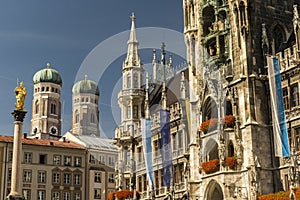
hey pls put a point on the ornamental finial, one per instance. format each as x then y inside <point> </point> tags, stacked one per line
<point>48,65</point>
<point>85,77</point>
<point>132,17</point>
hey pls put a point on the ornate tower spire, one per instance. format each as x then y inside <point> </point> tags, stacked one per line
<point>133,57</point>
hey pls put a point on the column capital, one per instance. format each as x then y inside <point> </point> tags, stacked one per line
<point>19,115</point>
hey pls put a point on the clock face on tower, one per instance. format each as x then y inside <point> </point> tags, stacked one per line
<point>53,130</point>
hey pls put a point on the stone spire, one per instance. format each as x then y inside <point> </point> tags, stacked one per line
<point>133,57</point>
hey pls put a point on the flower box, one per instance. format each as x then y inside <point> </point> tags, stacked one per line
<point>211,124</point>
<point>229,121</point>
<point>211,166</point>
<point>123,194</point>
<point>280,195</point>
<point>231,162</point>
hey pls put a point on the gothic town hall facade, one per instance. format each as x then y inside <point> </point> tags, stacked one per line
<point>221,133</point>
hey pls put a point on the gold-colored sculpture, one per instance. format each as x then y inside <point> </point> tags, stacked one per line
<point>20,96</point>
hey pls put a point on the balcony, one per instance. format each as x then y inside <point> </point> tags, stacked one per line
<point>131,92</point>
<point>179,186</point>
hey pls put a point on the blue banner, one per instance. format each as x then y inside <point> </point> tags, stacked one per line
<point>147,148</point>
<point>281,143</point>
<point>165,145</point>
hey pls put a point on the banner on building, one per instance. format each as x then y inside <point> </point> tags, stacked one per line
<point>277,106</point>
<point>147,148</point>
<point>165,147</point>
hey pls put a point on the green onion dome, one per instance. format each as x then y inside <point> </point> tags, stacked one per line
<point>85,86</point>
<point>47,75</point>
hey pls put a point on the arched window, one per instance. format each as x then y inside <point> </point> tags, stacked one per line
<point>37,105</point>
<point>210,109</point>
<point>243,13</point>
<point>92,118</point>
<point>53,108</point>
<point>135,81</point>
<point>228,108</point>
<point>128,81</point>
<point>230,149</point>
<point>278,37</point>
<point>76,117</point>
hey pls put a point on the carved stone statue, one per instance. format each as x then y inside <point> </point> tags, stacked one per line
<point>20,96</point>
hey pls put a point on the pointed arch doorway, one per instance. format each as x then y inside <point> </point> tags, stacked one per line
<point>214,191</point>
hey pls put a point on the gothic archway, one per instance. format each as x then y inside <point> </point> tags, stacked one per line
<point>214,191</point>
<point>210,150</point>
<point>210,109</point>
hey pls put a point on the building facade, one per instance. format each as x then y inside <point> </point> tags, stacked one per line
<point>139,99</point>
<point>223,119</point>
<point>101,157</point>
<point>50,169</point>
<point>227,44</point>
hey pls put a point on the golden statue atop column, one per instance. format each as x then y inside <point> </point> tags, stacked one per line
<point>20,92</point>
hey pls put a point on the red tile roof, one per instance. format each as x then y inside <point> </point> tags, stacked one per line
<point>40,142</point>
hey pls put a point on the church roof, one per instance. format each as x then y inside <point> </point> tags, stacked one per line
<point>47,75</point>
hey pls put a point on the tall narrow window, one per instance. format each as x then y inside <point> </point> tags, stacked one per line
<point>135,111</point>
<point>135,81</point>
<point>297,139</point>
<point>278,36</point>
<point>41,195</point>
<point>27,176</point>
<point>285,98</point>
<point>76,117</point>
<point>295,95</point>
<point>128,112</point>
<point>92,118</point>
<point>37,105</point>
<point>243,13</point>
<point>97,178</point>
<point>27,194</point>
<point>53,109</point>
<point>42,177</point>
<point>128,81</point>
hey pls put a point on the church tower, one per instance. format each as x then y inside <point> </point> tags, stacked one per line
<point>227,42</point>
<point>130,100</point>
<point>46,103</point>
<point>85,117</point>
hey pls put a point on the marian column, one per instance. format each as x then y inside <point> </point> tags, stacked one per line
<point>19,114</point>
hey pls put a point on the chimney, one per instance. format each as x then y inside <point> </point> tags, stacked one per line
<point>25,135</point>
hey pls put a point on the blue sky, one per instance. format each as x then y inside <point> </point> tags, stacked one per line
<point>64,32</point>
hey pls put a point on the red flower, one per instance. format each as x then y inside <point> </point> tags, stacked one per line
<point>111,196</point>
<point>279,195</point>
<point>230,162</point>
<point>124,194</point>
<point>211,166</point>
<point>209,124</point>
<point>229,121</point>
